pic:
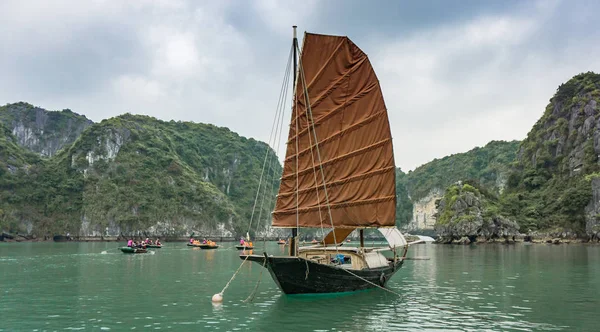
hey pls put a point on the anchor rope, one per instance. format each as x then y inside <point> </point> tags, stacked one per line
<point>250,297</point>
<point>233,276</point>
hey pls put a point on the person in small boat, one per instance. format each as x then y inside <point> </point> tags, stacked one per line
<point>191,240</point>
<point>158,242</point>
<point>130,243</point>
<point>204,241</point>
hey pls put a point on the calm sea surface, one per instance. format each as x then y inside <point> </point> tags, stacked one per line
<point>93,286</point>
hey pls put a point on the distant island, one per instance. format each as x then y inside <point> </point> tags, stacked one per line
<point>136,175</point>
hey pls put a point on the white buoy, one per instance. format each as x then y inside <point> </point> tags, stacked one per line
<point>217,298</point>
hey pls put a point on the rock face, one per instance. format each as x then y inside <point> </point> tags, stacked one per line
<point>465,212</point>
<point>41,131</point>
<point>488,165</point>
<point>424,211</point>
<point>592,226</point>
<point>551,189</point>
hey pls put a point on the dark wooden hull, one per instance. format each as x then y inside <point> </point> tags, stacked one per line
<point>129,250</point>
<point>243,248</point>
<point>296,275</point>
<point>194,245</point>
<point>207,246</point>
<point>61,238</point>
<point>153,246</point>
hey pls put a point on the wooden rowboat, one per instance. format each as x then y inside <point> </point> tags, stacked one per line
<point>129,250</point>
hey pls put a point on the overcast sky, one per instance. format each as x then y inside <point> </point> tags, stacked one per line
<point>455,74</point>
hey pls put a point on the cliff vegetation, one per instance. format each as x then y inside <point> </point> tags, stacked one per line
<point>135,174</point>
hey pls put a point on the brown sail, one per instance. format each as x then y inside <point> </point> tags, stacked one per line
<point>354,154</point>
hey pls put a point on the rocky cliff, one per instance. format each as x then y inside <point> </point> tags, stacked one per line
<point>41,131</point>
<point>488,166</point>
<point>551,187</point>
<point>465,214</point>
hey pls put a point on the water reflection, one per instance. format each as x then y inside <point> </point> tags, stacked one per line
<point>482,287</point>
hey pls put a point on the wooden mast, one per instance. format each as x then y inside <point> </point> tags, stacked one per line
<point>293,244</point>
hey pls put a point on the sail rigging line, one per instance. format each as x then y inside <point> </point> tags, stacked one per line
<point>279,102</point>
<point>311,120</point>
<point>297,138</point>
<point>278,130</point>
<point>312,156</point>
<point>277,111</point>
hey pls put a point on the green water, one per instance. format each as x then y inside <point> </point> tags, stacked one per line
<point>92,286</point>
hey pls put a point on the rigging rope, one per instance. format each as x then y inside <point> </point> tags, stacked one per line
<point>277,111</point>
<point>278,129</point>
<point>312,121</point>
<point>280,105</point>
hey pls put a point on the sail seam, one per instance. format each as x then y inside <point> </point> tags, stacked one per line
<point>321,70</point>
<point>336,84</point>
<point>342,157</point>
<point>339,205</point>
<point>346,130</point>
<point>344,181</point>
<point>335,111</point>
<point>309,113</point>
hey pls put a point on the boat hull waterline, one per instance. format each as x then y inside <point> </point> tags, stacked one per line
<point>295,275</point>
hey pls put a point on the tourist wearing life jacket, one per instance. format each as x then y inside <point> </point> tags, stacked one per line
<point>130,243</point>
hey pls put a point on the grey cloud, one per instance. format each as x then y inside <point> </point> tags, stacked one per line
<point>222,62</point>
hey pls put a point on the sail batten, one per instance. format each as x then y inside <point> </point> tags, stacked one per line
<point>347,176</point>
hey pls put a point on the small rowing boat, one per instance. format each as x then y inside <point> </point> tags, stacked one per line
<point>130,250</point>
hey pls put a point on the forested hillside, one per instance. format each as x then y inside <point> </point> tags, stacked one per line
<point>136,174</point>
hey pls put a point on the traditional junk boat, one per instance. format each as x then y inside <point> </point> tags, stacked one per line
<point>338,173</point>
